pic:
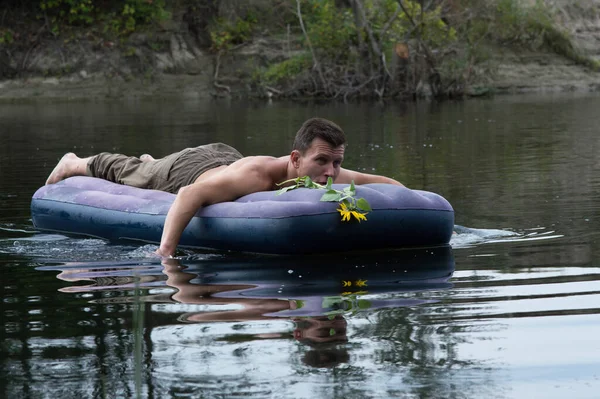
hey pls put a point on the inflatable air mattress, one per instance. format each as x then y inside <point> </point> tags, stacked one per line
<point>296,222</point>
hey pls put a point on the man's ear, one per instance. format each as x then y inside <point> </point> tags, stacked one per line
<point>295,158</point>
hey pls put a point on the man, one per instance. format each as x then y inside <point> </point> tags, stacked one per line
<point>216,173</point>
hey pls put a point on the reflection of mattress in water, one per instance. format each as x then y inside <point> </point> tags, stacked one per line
<point>330,284</point>
<point>317,284</point>
<point>378,271</point>
<point>296,222</point>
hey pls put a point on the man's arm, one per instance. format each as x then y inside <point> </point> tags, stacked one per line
<point>346,176</point>
<point>228,185</point>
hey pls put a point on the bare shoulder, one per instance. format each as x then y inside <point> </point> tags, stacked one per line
<point>256,160</point>
<point>263,172</point>
<point>259,164</point>
<point>347,176</point>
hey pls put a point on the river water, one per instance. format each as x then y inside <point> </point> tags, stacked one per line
<point>510,310</point>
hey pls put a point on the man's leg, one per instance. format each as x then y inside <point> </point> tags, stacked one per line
<point>69,165</point>
<point>118,168</point>
<point>147,158</point>
<point>131,171</point>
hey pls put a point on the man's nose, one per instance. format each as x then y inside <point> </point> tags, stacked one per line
<point>329,170</point>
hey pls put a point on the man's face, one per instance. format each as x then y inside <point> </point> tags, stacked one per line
<point>320,161</point>
<point>321,329</point>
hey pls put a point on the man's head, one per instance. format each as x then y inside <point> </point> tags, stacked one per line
<point>321,330</point>
<point>318,150</point>
<point>318,128</point>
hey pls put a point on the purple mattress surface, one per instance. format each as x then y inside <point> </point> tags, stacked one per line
<point>103,194</point>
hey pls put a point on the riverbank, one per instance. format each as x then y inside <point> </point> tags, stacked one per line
<point>169,61</point>
<point>517,72</point>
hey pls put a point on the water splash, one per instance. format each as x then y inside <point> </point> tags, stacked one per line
<point>467,237</point>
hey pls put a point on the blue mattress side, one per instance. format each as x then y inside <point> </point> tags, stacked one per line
<point>293,235</point>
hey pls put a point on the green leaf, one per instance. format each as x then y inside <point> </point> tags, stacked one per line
<point>308,183</point>
<point>285,189</point>
<point>364,304</point>
<point>296,180</point>
<point>347,203</point>
<point>350,190</point>
<point>331,195</point>
<point>331,301</point>
<point>329,183</point>
<point>363,205</point>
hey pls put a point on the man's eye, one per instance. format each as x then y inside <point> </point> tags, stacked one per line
<point>321,161</point>
<point>337,163</point>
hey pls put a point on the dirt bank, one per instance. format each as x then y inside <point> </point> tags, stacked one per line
<point>525,71</point>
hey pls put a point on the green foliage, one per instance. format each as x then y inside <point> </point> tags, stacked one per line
<point>72,12</point>
<point>347,40</point>
<point>430,28</point>
<point>518,23</point>
<point>6,36</point>
<point>435,30</point>
<point>347,303</point>
<point>119,17</point>
<point>225,34</point>
<point>286,70</point>
<point>350,206</point>
<point>528,25</point>
<point>331,30</point>
<point>534,26</point>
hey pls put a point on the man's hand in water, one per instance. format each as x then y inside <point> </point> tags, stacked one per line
<point>162,255</point>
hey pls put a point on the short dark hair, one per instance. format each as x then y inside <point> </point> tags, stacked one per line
<point>318,128</point>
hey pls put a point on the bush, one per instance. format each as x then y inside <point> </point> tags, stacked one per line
<point>286,70</point>
<point>225,34</point>
<point>331,30</point>
<point>6,36</point>
<point>120,17</point>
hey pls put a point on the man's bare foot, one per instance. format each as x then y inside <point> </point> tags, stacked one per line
<point>69,165</point>
<point>146,158</point>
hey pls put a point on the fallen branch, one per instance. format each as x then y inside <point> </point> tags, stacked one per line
<point>274,90</point>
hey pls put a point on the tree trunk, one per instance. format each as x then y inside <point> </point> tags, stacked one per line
<point>365,64</point>
<point>198,17</point>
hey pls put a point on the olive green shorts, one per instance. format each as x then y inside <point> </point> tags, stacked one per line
<point>166,174</point>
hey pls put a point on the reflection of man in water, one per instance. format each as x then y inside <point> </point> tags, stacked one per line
<point>321,329</point>
<point>322,333</point>
<point>190,293</point>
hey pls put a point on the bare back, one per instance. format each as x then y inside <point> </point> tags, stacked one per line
<point>271,170</point>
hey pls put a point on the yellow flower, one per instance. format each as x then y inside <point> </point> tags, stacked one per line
<point>347,213</point>
<point>359,216</point>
